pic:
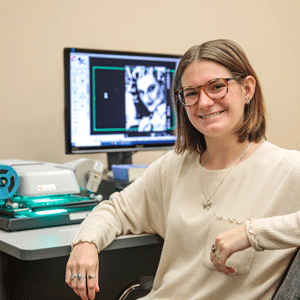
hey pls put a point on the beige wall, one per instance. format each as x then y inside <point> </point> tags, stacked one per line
<point>33,34</point>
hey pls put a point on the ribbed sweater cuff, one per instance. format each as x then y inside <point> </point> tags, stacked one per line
<point>251,233</point>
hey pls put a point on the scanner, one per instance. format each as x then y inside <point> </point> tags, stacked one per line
<point>35,194</point>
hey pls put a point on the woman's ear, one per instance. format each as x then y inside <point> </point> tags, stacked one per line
<point>249,84</point>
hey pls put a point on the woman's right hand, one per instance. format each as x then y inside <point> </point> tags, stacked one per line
<point>83,264</point>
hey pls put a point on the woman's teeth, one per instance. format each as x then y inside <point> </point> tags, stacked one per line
<point>212,115</point>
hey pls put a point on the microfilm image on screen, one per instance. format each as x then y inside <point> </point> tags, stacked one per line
<point>147,92</point>
<point>131,99</point>
<point>118,100</point>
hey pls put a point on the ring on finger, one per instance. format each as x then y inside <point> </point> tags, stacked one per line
<point>216,255</point>
<point>90,276</point>
<point>73,276</point>
<point>80,277</point>
<point>213,249</point>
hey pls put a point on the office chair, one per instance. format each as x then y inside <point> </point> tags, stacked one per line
<point>289,288</point>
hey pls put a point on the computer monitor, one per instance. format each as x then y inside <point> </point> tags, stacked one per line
<point>118,102</point>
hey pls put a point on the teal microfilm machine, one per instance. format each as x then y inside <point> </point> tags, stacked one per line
<point>36,194</point>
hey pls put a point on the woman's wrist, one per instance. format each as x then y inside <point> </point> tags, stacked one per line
<point>84,242</point>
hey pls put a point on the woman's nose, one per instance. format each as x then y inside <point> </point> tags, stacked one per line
<point>204,100</point>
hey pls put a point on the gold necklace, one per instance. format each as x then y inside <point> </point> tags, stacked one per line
<point>207,205</point>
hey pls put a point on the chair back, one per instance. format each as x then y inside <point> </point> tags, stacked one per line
<point>289,289</point>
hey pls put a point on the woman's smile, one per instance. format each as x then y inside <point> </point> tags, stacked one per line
<point>211,115</point>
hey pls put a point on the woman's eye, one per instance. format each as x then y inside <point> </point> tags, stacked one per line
<point>190,93</point>
<point>151,88</point>
<point>217,86</point>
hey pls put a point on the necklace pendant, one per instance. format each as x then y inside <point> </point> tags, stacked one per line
<point>207,205</point>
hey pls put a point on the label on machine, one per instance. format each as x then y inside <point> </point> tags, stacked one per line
<point>78,216</point>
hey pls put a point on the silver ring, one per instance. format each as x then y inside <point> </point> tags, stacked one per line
<point>73,276</point>
<point>90,276</point>
<point>213,249</point>
<point>80,277</point>
<point>216,255</point>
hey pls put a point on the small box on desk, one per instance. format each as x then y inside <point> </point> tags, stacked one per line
<point>128,172</point>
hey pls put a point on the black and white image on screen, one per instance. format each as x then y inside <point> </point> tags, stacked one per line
<point>145,98</point>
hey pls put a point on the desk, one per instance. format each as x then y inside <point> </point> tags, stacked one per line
<point>32,263</point>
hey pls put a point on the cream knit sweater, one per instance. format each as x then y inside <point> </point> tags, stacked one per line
<point>263,192</point>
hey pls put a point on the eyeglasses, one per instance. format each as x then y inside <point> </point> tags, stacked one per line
<point>215,89</point>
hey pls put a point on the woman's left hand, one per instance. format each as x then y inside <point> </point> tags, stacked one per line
<point>225,245</point>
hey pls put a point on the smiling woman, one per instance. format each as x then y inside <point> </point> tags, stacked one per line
<point>213,200</point>
<point>221,116</point>
<point>225,59</point>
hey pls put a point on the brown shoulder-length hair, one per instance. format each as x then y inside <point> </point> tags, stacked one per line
<point>230,55</point>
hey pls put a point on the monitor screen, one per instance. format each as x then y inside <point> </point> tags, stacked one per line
<point>118,101</point>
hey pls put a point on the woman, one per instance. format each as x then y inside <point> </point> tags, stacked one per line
<point>218,200</point>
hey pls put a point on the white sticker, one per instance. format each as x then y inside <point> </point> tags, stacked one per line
<point>78,216</point>
<point>46,187</point>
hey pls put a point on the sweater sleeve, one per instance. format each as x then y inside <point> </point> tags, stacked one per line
<point>277,232</point>
<point>137,209</point>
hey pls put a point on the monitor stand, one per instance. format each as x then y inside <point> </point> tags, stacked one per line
<point>119,158</point>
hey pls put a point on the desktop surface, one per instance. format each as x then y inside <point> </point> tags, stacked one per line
<point>56,242</point>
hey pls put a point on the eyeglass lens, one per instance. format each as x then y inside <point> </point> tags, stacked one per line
<point>216,89</point>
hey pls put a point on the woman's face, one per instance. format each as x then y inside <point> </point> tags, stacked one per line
<point>215,118</point>
<point>150,91</point>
